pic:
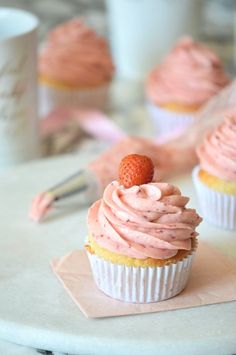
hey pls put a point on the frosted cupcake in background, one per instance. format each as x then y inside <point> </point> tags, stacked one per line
<point>142,237</point>
<point>215,178</point>
<point>188,77</point>
<point>75,68</point>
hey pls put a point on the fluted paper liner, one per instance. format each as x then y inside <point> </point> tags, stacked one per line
<point>217,208</point>
<point>168,123</point>
<point>51,98</point>
<point>140,284</point>
<point>212,280</point>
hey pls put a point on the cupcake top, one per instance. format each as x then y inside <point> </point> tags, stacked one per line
<point>75,56</point>
<point>190,75</point>
<point>217,154</point>
<point>145,220</point>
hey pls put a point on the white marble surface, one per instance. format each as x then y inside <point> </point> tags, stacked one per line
<point>35,311</point>
<point>7,348</point>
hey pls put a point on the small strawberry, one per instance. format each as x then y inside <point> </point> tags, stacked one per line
<point>135,169</point>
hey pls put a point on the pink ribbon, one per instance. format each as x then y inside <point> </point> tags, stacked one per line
<point>94,122</point>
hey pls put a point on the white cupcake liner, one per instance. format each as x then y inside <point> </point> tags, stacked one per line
<point>50,98</point>
<point>167,123</point>
<point>141,284</point>
<point>217,208</point>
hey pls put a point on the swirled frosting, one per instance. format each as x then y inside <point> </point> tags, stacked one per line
<point>190,74</point>
<point>75,55</point>
<point>217,154</point>
<point>149,220</point>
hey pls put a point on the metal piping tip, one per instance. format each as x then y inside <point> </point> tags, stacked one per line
<point>83,183</point>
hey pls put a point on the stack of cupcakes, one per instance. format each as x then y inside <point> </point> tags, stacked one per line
<point>142,237</point>
<point>215,178</point>
<point>75,68</point>
<point>188,77</point>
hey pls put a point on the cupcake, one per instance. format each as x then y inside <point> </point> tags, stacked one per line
<point>188,77</point>
<point>142,237</point>
<point>75,68</point>
<point>215,177</point>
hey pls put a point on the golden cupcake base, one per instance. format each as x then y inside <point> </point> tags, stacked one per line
<point>93,248</point>
<point>177,107</point>
<point>216,183</point>
<point>65,86</point>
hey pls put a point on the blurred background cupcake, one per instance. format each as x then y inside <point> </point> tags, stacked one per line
<point>215,178</point>
<point>187,78</point>
<point>75,68</point>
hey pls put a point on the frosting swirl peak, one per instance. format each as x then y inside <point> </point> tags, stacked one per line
<point>190,74</point>
<point>149,220</point>
<point>217,154</point>
<point>75,55</point>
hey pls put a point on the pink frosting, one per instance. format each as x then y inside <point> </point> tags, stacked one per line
<point>217,154</point>
<point>40,206</point>
<point>76,55</point>
<point>143,221</point>
<point>190,74</point>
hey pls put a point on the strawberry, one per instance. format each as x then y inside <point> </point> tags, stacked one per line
<point>135,169</point>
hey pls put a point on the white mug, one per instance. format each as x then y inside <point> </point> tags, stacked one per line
<point>143,31</point>
<point>19,140</point>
